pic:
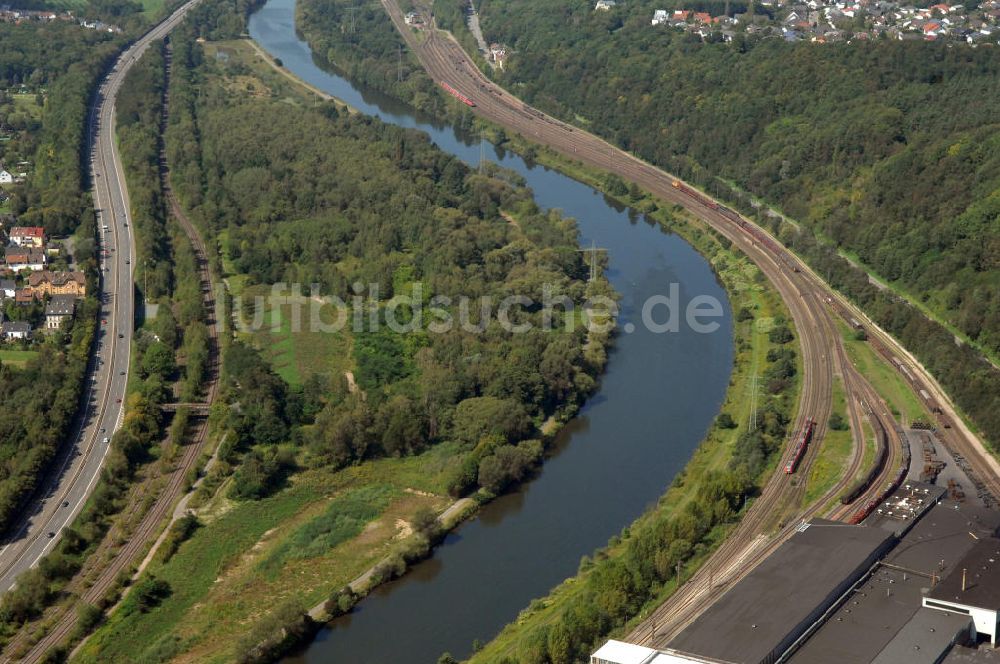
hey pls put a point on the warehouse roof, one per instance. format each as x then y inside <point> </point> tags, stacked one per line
<point>784,594</point>
<point>884,603</point>
<point>981,569</point>
<point>925,638</point>
<point>943,536</point>
<point>960,655</point>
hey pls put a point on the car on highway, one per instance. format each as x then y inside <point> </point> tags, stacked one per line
<point>65,503</point>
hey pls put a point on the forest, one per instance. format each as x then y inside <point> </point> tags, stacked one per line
<point>291,204</point>
<point>884,151</point>
<point>289,189</point>
<point>889,150</point>
<point>360,40</point>
<point>63,60</point>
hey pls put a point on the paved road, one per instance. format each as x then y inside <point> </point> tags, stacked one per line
<point>78,468</point>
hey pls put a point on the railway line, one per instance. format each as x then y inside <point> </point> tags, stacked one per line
<point>78,468</point>
<point>811,303</point>
<point>95,589</point>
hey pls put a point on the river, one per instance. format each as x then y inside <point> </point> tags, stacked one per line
<point>656,401</point>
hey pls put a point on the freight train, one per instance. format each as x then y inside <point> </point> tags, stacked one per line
<point>457,95</point>
<point>883,452</point>
<point>758,235</point>
<point>870,506</point>
<point>800,446</point>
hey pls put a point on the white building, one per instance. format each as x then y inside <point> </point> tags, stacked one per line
<point>604,5</point>
<point>619,652</point>
<point>15,330</point>
<point>973,588</point>
<point>6,177</point>
<point>660,16</point>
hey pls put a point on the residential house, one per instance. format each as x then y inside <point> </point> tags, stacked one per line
<point>23,296</point>
<point>659,17</point>
<point>7,287</point>
<point>59,309</point>
<point>24,258</point>
<point>15,330</point>
<point>45,282</point>
<point>703,17</point>
<point>6,177</point>
<point>604,5</point>
<point>27,236</point>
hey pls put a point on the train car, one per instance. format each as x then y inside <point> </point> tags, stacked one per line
<point>457,95</point>
<point>701,198</point>
<point>870,506</point>
<point>865,482</point>
<point>801,443</point>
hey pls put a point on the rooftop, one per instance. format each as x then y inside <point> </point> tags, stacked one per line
<point>883,605</point>
<point>959,655</point>
<point>60,306</point>
<point>769,608</point>
<point>925,638</point>
<point>981,568</point>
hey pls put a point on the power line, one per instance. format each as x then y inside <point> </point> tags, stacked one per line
<point>592,250</point>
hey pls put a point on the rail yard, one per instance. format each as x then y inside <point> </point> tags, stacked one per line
<point>778,513</point>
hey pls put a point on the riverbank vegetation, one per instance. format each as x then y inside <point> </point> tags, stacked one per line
<point>361,41</point>
<point>618,585</point>
<point>329,463</point>
<point>912,194</point>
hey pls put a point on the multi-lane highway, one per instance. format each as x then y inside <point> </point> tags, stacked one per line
<point>810,301</point>
<point>77,468</point>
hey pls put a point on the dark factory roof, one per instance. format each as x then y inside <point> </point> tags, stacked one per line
<point>782,595</point>
<point>981,569</point>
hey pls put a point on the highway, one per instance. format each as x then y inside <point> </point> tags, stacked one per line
<point>774,514</point>
<point>78,466</point>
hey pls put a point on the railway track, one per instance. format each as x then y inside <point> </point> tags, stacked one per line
<point>154,520</point>
<point>809,301</point>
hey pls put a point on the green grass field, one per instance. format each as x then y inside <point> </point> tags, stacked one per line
<point>293,348</point>
<point>250,556</point>
<point>887,382</point>
<point>27,103</point>
<point>17,358</point>
<point>834,454</point>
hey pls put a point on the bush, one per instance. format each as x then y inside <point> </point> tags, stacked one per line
<point>725,421</point>
<point>837,422</point>
<point>509,464</point>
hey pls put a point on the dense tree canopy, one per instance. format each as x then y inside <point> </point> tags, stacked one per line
<point>890,149</point>
<point>314,195</point>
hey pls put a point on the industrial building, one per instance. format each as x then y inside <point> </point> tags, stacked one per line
<point>973,590</point>
<point>769,609</point>
<point>917,583</point>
